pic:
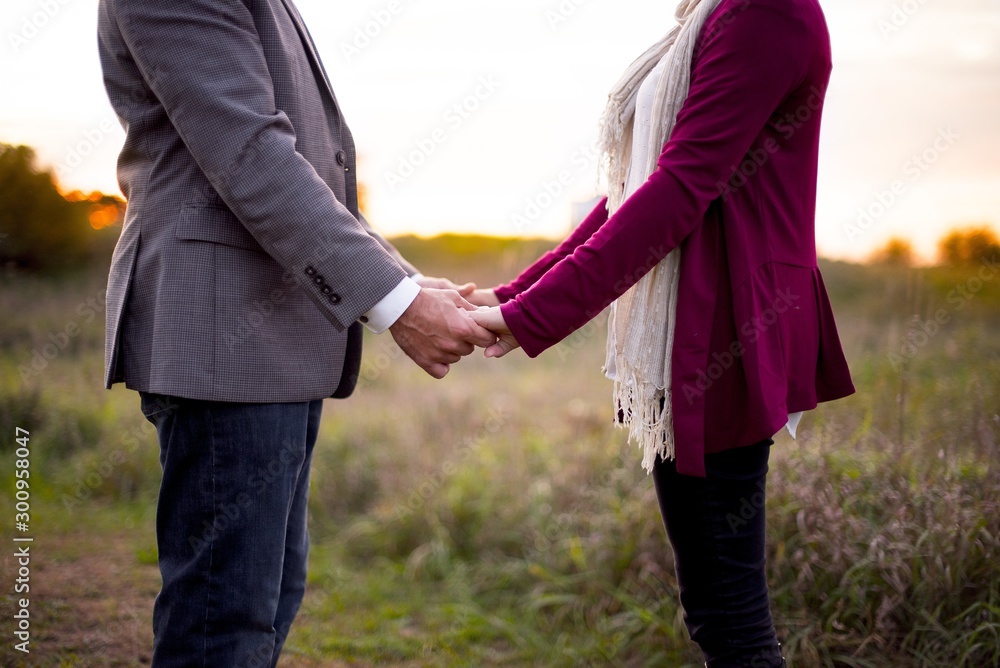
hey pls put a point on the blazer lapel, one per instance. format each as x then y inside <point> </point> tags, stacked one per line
<point>306,38</point>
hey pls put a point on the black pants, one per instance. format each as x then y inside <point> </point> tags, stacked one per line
<point>716,527</point>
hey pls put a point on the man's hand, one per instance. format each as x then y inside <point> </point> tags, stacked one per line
<point>436,331</point>
<point>444,284</point>
<point>492,319</point>
<point>483,298</point>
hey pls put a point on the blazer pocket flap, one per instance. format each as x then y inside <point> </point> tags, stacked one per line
<point>214,224</point>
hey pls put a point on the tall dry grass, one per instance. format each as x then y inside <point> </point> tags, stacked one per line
<point>505,490</point>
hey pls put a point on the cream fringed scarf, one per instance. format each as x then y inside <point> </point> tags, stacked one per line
<point>641,329</point>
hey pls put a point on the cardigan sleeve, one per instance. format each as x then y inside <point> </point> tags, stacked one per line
<point>586,229</point>
<point>741,73</point>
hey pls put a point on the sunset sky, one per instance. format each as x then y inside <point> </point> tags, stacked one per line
<point>914,103</point>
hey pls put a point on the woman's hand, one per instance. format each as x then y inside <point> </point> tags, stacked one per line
<point>492,319</point>
<point>483,297</point>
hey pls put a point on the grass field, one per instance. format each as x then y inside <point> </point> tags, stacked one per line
<point>495,518</point>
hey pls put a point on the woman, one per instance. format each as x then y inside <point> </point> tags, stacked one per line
<point>721,330</point>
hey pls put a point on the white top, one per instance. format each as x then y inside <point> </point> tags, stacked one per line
<point>641,131</point>
<point>642,128</point>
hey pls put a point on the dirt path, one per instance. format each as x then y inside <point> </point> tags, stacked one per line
<point>92,601</point>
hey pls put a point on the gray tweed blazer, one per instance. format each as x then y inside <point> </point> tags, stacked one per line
<point>243,263</point>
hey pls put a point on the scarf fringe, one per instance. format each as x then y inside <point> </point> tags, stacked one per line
<point>647,415</point>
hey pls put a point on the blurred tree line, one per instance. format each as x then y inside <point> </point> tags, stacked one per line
<point>43,230</point>
<point>969,245</point>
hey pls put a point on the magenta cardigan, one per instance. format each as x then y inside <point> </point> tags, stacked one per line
<point>735,188</point>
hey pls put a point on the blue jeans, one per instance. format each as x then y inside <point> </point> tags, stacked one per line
<point>716,527</point>
<point>230,528</point>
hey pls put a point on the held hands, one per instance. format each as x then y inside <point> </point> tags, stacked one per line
<point>436,330</point>
<point>445,284</point>
<point>483,298</point>
<point>480,297</point>
<point>492,319</point>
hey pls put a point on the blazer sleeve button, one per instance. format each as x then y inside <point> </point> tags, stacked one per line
<point>326,290</point>
<point>334,298</point>
<point>341,157</point>
<point>310,270</point>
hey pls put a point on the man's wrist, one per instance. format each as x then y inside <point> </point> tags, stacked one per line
<point>384,314</point>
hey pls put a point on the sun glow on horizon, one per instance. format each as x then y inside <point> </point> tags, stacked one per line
<point>492,159</point>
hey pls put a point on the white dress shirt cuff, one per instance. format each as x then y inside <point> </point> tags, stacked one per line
<point>382,316</point>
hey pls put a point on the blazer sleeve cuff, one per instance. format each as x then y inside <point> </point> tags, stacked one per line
<point>385,313</point>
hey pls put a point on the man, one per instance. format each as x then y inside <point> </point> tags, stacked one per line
<point>235,293</point>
